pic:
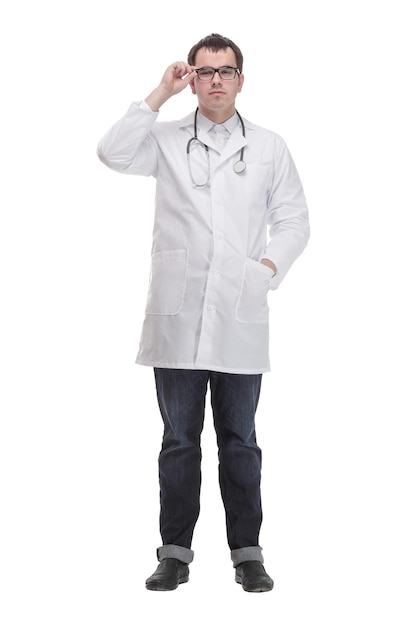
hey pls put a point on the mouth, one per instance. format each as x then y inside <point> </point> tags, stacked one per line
<point>217,92</point>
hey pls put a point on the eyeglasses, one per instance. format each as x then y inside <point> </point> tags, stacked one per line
<point>226,72</point>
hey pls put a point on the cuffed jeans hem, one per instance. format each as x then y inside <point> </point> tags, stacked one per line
<point>251,553</point>
<point>171,551</point>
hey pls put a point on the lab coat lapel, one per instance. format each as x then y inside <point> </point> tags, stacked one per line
<point>235,143</point>
<point>205,138</point>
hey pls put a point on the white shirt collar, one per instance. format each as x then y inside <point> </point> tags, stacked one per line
<point>206,125</point>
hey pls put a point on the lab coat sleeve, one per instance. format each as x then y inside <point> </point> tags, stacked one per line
<point>288,221</point>
<point>128,146</point>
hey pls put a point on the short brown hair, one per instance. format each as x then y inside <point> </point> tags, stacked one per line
<point>215,42</point>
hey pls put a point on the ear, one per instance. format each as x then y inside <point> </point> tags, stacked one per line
<point>241,81</point>
<point>192,86</point>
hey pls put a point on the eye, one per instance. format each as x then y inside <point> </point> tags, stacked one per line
<point>205,73</point>
<point>227,72</point>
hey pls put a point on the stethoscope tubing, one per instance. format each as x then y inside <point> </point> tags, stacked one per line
<point>240,165</point>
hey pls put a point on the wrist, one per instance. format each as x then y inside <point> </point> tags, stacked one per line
<point>157,98</point>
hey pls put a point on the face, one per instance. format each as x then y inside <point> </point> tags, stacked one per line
<point>216,97</point>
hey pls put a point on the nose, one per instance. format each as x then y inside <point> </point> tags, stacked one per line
<point>214,80</point>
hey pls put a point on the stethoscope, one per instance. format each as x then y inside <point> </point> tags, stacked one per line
<point>240,165</point>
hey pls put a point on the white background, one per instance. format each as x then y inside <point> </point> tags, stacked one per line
<point>80,429</point>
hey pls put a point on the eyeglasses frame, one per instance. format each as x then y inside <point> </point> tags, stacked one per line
<point>217,71</point>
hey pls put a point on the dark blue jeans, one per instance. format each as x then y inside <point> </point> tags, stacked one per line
<point>234,398</point>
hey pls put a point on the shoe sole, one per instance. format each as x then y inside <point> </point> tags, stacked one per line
<point>156,587</point>
<point>259,589</point>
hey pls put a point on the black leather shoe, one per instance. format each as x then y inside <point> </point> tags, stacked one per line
<point>253,577</point>
<point>168,575</point>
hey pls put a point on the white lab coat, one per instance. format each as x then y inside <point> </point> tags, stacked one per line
<point>207,302</point>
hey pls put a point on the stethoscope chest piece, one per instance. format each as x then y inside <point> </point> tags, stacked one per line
<point>239,167</point>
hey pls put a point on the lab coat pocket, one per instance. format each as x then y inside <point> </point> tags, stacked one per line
<point>167,282</point>
<point>252,305</point>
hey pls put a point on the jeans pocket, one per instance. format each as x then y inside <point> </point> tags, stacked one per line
<point>167,282</point>
<point>252,305</point>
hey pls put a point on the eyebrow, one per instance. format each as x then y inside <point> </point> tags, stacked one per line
<point>209,67</point>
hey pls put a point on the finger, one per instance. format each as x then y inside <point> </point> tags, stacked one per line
<point>180,68</point>
<point>189,77</point>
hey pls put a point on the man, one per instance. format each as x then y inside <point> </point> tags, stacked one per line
<point>221,182</point>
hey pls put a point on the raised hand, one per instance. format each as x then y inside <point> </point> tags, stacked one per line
<point>176,78</point>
